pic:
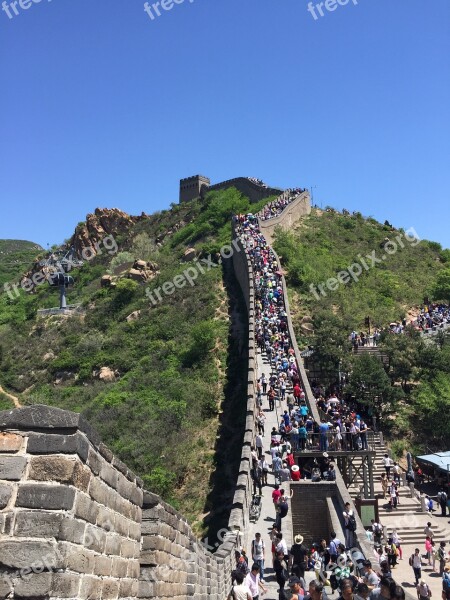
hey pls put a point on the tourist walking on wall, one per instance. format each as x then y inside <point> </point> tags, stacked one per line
<point>258,554</point>
<point>253,582</point>
<point>415,561</point>
<point>240,590</point>
<point>349,526</point>
<point>441,556</point>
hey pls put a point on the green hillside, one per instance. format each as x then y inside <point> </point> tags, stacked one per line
<point>178,376</point>
<point>392,274</point>
<point>16,257</point>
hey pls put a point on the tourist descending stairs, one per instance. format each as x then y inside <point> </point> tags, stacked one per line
<point>409,521</point>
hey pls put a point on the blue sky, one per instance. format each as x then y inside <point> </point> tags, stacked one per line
<point>102,106</point>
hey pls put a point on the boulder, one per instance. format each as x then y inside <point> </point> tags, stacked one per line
<point>140,265</point>
<point>136,275</point>
<point>106,281</point>
<point>107,375</point>
<point>189,255</point>
<point>134,316</point>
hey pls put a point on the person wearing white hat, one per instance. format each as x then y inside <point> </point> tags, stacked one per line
<point>295,473</point>
<point>298,555</point>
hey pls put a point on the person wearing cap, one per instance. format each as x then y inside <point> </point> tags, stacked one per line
<point>298,556</point>
<point>295,473</point>
<point>423,591</point>
<point>296,588</point>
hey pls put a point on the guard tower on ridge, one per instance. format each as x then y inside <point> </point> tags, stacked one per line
<point>193,187</point>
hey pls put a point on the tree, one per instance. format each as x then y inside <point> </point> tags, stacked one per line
<point>431,401</point>
<point>402,352</point>
<point>441,289</point>
<point>331,346</point>
<point>371,386</point>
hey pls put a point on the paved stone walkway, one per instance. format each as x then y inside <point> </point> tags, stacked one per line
<point>266,520</point>
<point>410,521</point>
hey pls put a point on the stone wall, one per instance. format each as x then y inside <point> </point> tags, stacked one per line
<point>70,511</point>
<point>298,208</point>
<point>248,188</point>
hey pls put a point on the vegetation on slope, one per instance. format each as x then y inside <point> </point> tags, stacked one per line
<point>415,377</point>
<point>161,415</point>
<point>15,257</point>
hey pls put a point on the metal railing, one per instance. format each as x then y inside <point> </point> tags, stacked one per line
<point>333,441</point>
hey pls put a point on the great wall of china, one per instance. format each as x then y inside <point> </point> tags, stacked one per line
<point>76,523</point>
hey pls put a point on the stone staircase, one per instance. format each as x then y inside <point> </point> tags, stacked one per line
<point>408,518</point>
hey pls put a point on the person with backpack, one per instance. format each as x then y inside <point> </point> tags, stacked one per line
<point>415,561</point>
<point>258,554</point>
<point>349,526</point>
<point>441,556</point>
<point>442,499</point>
<point>377,532</point>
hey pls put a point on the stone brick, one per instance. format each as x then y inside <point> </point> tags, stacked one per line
<point>119,567</point>
<point>126,588</point>
<point>77,559</point>
<point>65,585</point>
<point>81,477</point>
<point>121,525</point>
<point>105,452</point>
<point>106,519</point>
<point>53,443</point>
<point>99,491</point>
<point>86,509</point>
<point>37,524</point>
<point>113,544</point>
<point>109,474</point>
<point>12,467</point>
<point>95,461</point>
<point>91,588</point>
<point>110,589</point>
<point>129,549</point>
<point>5,494</point>
<point>95,539</point>
<point>33,585</point>
<point>103,566</point>
<point>10,442</point>
<point>72,530</point>
<point>52,468</point>
<point>134,531</point>
<point>50,497</point>
<point>133,569</point>
<point>21,554</point>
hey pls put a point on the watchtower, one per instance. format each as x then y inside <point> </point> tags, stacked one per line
<point>193,187</point>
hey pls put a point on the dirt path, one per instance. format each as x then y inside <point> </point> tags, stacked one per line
<point>14,399</point>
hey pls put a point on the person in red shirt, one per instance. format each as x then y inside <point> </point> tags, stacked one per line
<point>297,392</point>
<point>290,459</point>
<point>276,494</point>
<point>295,473</point>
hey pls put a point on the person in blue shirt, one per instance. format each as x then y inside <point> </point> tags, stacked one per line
<point>324,436</point>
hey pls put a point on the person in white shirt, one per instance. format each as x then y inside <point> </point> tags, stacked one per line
<point>240,591</point>
<point>416,563</point>
<point>253,582</point>
<point>258,554</point>
<point>387,462</point>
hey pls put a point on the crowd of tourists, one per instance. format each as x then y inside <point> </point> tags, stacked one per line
<point>337,569</point>
<point>433,315</point>
<point>342,427</point>
<point>276,207</point>
<point>258,181</point>
<point>430,315</point>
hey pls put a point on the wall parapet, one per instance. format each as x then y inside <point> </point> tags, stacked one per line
<point>75,521</point>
